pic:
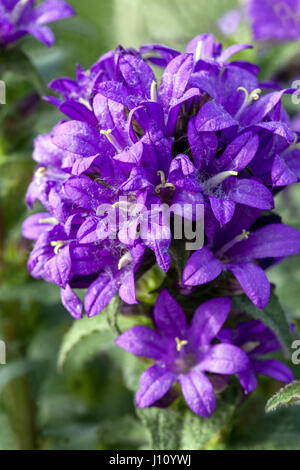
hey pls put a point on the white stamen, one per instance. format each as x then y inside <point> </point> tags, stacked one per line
<point>243,236</point>
<point>85,103</point>
<point>211,183</point>
<point>153,92</point>
<point>124,261</point>
<point>18,10</point>
<point>39,174</point>
<point>198,51</point>
<point>49,220</point>
<point>112,139</point>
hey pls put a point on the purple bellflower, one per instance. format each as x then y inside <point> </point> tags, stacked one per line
<point>239,250</point>
<point>21,17</point>
<point>256,340</point>
<point>183,353</point>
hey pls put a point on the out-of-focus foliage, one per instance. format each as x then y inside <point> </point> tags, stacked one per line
<point>67,387</point>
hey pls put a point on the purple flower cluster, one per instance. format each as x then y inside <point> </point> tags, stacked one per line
<point>20,17</point>
<point>206,134</point>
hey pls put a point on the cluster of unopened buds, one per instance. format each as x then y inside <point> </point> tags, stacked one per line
<point>208,147</point>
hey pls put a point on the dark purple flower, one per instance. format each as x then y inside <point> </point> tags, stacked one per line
<point>21,17</point>
<point>184,353</point>
<point>256,340</point>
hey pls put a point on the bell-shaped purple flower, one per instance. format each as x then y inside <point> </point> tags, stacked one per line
<point>256,340</point>
<point>183,353</point>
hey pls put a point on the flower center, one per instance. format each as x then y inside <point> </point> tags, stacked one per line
<point>180,343</point>
<point>57,246</point>
<point>124,261</point>
<point>163,183</point>
<point>213,182</point>
<point>253,96</point>
<point>111,139</point>
<point>243,236</point>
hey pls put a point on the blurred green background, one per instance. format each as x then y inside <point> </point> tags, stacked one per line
<point>87,404</point>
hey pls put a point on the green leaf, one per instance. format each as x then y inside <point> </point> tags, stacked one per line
<point>164,427</point>
<point>272,315</point>
<point>288,395</point>
<point>88,336</point>
<point>207,434</point>
<point>178,428</point>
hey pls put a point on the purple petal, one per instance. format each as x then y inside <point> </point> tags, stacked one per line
<point>71,302</point>
<point>281,174</point>
<point>88,260</point>
<point>37,224</point>
<point>254,282</point>
<point>198,393</point>
<point>78,112</point>
<point>212,117</point>
<point>52,10</point>
<point>225,359</point>
<point>77,137</point>
<point>41,33</point>
<point>209,319</point>
<point>143,341</point>
<point>273,368</point>
<point>203,145</point>
<point>58,268</point>
<point>175,79</point>
<point>232,50</point>
<point>169,316</point>
<point>86,193</point>
<point>259,109</point>
<point>175,108</point>
<point>100,292</point>
<point>156,235</point>
<point>271,241</point>
<point>248,381</point>
<point>277,128</point>
<point>202,267</point>
<point>223,209</point>
<point>248,192</point>
<point>137,74</point>
<point>154,384</point>
<point>127,289</point>
<point>239,153</point>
